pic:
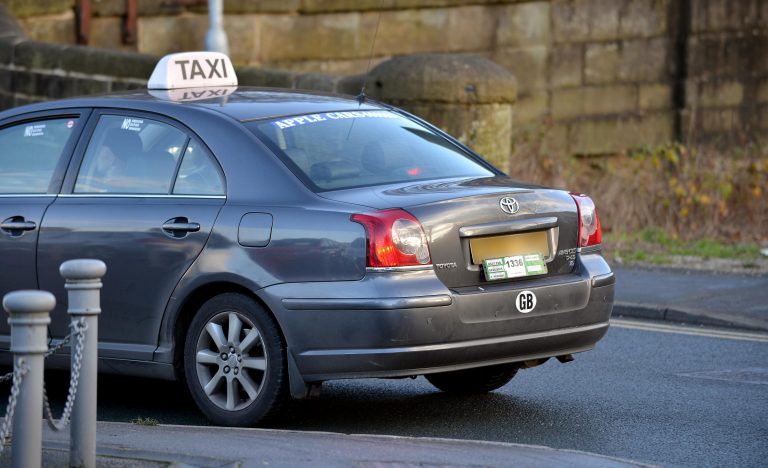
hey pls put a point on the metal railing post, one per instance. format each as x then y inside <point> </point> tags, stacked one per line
<point>29,313</point>
<point>83,283</point>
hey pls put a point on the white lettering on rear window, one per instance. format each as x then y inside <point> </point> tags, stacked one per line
<point>314,118</point>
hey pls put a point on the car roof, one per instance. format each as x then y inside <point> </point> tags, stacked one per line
<point>241,103</point>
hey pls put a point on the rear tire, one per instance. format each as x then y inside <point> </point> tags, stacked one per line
<point>235,361</point>
<point>472,381</point>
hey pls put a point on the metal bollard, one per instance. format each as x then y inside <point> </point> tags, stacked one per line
<point>29,316</point>
<point>83,283</point>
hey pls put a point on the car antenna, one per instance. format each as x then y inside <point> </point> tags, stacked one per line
<point>362,96</point>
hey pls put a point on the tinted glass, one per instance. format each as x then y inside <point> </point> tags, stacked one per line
<point>198,174</point>
<point>130,155</point>
<point>337,150</point>
<point>30,152</point>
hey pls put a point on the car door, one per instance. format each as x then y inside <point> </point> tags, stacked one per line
<point>130,199</point>
<point>34,152</point>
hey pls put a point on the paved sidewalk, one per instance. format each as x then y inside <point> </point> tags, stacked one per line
<point>703,298</point>
<point>122,444</point>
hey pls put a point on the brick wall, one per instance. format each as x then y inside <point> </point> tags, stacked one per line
<point>599,75</point>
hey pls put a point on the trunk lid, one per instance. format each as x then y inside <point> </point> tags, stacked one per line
<point>464,223</point>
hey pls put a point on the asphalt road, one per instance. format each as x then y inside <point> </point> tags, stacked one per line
<point>652,396</point>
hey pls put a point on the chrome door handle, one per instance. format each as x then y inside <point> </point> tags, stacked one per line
<point>182,227</point>
<point>179,227</point>
<point>18,225</point>
<point>15,226</point>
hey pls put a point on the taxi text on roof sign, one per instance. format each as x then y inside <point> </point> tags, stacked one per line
<point>193,70</point>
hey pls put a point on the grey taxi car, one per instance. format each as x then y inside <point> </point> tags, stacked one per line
<point>259,242</point>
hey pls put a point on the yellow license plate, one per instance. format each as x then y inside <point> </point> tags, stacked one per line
<point>485,248</point>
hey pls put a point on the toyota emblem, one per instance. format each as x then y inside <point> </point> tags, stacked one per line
<point>509,205</point>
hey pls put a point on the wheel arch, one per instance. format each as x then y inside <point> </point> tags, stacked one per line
<point>192,302</point>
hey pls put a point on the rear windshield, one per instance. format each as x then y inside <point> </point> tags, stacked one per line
<point>339,150</point>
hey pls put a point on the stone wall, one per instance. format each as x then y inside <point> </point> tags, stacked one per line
<point>597,75</point>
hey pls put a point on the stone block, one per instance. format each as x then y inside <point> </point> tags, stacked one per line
<point>698,15</point>
<point>570,103</point>
<point>244,33</point>
<point>27,8</point>
<point>236,7</point>
<point>566,63</point>
<point>106,8</point>
<point>718,120</point>
<point>531,107</point>
<point>762,21</point>
<point>107,33</point>
<point>646,60</point>
<point>603,19</point>
<point>528,65</point>
<point>126,85</point>
<point>337,67</point>
<point>24,82</point>
<point>762,117</point>
<point>6,100</point>
<point>10,30</point>
<point>317,82</point>
<point>487,128</point>
<point>7,48</point>
<point>762,91</point>
<point>161,35</point>
<point>250,76</point>
<point>19,100</point>
<point>6,79</point>
<point>449,78</point>
<point>601,62</point>
<point>611,135</point>
<point>38,55</point>
<point>731,14</point>
<point>655,96</point>
<point>59,28</point>
<point>723,93</point>
<point>555,140</point>
<point>570,20</point>
<point>523,24</point>
<point>410,4</point>
<point>330,6</point>
<point>410,31</point>
<point>107,62</point>
<point>644,18</point>
<point>148,8</point>
<point>337,36</point>
<point>84,87</point>
<point>471,29</point>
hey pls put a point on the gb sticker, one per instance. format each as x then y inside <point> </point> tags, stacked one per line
<point>525,302</point>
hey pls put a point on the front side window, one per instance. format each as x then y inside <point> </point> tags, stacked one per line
<point>338,150</point>
<point>131,155</point>
<point>30,152</point>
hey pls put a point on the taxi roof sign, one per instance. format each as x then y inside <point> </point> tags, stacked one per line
<point>193,70</point>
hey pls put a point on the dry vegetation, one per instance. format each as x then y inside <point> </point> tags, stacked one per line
<point>665,200</point>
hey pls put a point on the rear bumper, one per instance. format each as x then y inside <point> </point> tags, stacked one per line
<point>399,324</point>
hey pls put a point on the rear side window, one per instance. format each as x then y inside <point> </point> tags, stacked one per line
<point>198,174</point>
<point>338,150</point>
<point>30,152</point>
<point>131,155</point>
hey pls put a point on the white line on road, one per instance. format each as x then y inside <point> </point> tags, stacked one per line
<point>687,330</point>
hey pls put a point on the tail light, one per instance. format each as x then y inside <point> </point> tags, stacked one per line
<point>395,239</point>
<point>589,221</point>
